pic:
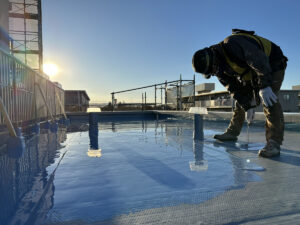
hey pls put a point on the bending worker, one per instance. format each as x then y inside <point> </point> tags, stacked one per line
<point>252,69</point>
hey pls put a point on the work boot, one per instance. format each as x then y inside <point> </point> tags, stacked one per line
<point>271,149</point>
<point>226,137</point>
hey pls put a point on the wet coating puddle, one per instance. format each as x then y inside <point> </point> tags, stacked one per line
<point>142,165</point>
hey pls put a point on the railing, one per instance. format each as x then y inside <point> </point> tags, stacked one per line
<point>22,90</point>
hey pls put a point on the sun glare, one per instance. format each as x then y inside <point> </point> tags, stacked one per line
<point>50,69</point>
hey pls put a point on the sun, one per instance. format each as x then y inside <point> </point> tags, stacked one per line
<point>50,69</point>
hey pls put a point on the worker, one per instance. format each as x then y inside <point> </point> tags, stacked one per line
<point>252,69</point>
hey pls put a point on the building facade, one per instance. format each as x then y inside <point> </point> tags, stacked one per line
<point>76,101</point>
<point>223,101</point>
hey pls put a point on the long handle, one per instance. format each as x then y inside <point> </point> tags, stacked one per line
<point>7,120</point>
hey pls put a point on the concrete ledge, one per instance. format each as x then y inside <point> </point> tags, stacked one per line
<point>259,116</point>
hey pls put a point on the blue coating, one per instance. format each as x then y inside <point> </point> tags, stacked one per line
<point>67,122</point>
<point>61,121</point>
<point>36,128</point>
<point>18,131</point>
<point>144,164</point>
<point>16,147</point>
<point>47,125</point>
<point>53,126</point>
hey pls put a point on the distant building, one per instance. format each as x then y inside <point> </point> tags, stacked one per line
<point>297,87</point>
<point>223,101</point>
<point>76,101</point>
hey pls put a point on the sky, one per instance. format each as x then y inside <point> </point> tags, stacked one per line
<point>103,46</point>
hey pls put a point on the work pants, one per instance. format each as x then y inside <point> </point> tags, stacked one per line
<point>274,123</point>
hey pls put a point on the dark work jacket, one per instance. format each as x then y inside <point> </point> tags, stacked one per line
<point>247,52</point>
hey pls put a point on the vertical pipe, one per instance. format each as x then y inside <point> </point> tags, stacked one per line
<point>198,127</point>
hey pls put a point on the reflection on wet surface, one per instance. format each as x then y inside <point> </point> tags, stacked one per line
<point>26,186</point>
<point>112,168</point>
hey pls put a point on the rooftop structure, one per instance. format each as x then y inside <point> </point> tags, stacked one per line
<point>76,101</point>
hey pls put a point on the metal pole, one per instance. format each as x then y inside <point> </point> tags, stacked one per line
<point>161,98</point>
<point>143,101</point>
<point>166,100</point>
<point>177,97</point>
<point>194,97</point>
<point>112,100</point>
<point>180,93</point>
<point>155,97</point>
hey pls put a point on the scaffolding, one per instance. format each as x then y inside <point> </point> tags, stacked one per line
<point>174,95</point>
<point>25,29</point>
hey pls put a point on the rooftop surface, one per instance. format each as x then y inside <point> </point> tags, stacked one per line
<point>150,172</point>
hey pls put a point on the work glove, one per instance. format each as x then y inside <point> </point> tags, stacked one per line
<point>267,96</point>
<point>250,113</point>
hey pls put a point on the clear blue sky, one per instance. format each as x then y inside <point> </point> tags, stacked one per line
<point>109,45</point>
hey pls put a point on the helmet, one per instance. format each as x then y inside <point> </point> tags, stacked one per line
<point>203,62</point>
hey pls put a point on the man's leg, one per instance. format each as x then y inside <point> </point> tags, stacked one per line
<point>235,126</point>
<point>237,120</point>
<point>274,121</point>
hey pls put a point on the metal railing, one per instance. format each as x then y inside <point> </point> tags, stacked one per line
<point>22,90</point>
